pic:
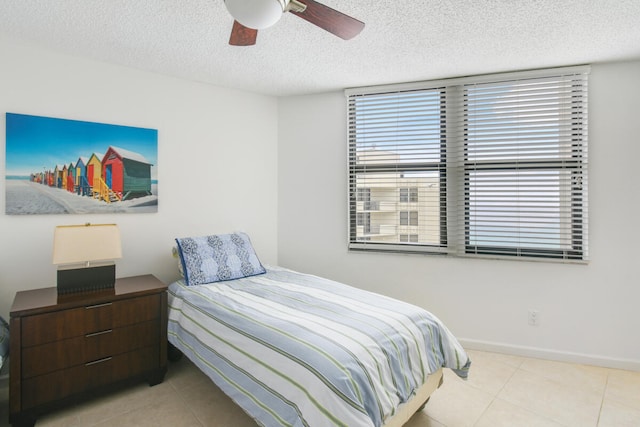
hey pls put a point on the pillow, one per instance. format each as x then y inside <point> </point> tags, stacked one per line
<point>4,341</point>
<point>176,254</point>
<point>209,259</point>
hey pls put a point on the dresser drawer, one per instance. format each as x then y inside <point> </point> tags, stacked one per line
<point>57,355</point>
<point>60,325</point>
<point>67,382</point>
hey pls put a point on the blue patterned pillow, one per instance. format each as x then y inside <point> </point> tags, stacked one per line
<point>4,341</point>
<point>209,259</point>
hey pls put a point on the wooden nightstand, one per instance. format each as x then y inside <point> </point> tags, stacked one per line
<point>65,348</point>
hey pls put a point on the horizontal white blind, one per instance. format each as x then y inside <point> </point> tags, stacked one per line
<point>525,161</point>
<point>484,167</point>
<point>396,162</point>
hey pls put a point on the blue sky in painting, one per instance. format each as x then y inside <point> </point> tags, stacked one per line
<point>35,143</point>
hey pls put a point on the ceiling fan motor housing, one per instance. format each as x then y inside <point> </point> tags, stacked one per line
<point>256,14</point>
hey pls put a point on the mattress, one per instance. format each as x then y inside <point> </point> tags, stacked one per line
<point>293,349</point>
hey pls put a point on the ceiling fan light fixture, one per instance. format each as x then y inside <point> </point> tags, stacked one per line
<point>256,14</point>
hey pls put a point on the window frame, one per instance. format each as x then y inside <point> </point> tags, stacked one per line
<point>455,176</point>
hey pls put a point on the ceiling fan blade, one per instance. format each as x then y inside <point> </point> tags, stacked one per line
<point>335,22</point>
<point>242,36</point>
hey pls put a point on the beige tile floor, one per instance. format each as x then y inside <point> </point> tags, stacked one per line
<point>501,391</point>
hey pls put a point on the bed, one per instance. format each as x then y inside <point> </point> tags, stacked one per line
<point>293,349</point>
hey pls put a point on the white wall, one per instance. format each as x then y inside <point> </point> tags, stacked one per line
<point>217,157</point>
<point>588,313</point>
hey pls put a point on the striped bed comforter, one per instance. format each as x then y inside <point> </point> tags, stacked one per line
<point>294,349</point>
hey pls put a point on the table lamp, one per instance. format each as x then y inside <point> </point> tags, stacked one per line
<point>85,256</point>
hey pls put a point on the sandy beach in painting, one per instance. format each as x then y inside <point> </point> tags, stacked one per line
<point>24,197</point>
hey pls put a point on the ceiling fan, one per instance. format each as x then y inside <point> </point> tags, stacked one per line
<point>253,15</point>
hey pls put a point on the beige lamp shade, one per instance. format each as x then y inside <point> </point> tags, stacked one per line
<point>86,243</point>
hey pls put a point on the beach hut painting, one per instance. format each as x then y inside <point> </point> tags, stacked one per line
<point>62,166</point>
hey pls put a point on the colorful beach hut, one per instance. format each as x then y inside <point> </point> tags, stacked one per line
<point>71,178</point>
<point>126,173</point>
<point>94,171</point>
<point>65,173</point>
<point>82,184</point>
<point>58,175</point>
<point>50,178</point>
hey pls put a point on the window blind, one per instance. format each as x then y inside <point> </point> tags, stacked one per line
<point>525,159</point>
<point>492,166</point>
<point>396,155</point>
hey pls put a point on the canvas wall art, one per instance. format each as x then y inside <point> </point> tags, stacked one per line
<point>61,166</point>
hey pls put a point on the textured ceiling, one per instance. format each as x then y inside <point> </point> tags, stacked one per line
<point>402,41</point>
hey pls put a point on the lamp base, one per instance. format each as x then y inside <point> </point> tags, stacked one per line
<point>86,279</point>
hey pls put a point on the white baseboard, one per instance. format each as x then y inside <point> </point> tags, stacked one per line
<point>561,356</point>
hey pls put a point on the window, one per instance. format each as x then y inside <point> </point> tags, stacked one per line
<point>409,218</point>
<point>493,166</point>
<point>409,195</point>
<point>364,194</point>
<point>364,221</point>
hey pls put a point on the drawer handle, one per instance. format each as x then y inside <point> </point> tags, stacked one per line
<point>95,362</point>
<point>98,305</point>
<point>108,331</point>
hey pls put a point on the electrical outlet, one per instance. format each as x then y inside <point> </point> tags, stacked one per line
<point>534,317</point>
